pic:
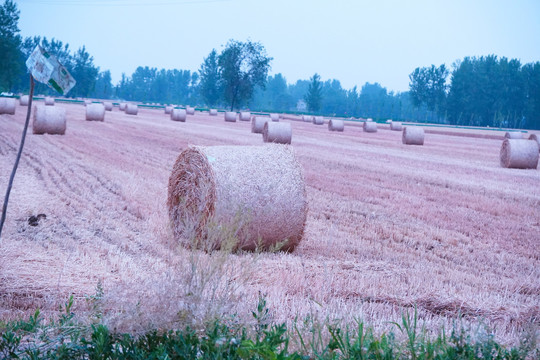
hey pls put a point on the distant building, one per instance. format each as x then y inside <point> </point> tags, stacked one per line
<point>301,105</point>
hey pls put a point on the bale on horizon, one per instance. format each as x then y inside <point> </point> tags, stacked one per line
<point>396,126</point>
<point>168,109</point>
<point>318,120</point>
<point>190,110</point>
<point>213,112</point>
<point>254,197</point>
<point>49,120</point>
<point>307,118</point>
<point>274,117</point>
<point>245,116</point>
<point>122,106</point>
<point>519,154</point>
<point>49,101</point>
<point>513,135</point>
<point>230,116</point>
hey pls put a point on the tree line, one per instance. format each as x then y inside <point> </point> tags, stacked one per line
<point>483,91</point>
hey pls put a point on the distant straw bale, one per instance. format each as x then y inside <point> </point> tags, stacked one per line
<point>413,135</point>
<point>230,116</point>
<point>168,109</point>
<point>274,117</point>
<point>248,196</point>
<point>370,126</point>
<point>336,125</point>
<point>519,154</point>
<point>108,105</point>
<point>24,100</point>
<point>396,126</point>
<point>318,120</point>
<point>49,120</point>
<point>277,132</point>
<point>190,110</point>
<point>178,115</point>
<point>8,105</point>
<point>513,135</point>
<point>122,106</point>
<point>213,112</point>
<point>95,112</point>
<point>369,119</point>
<point>49,101</point>
<point>307,118</point>
<point>257,124</point>
<point>389,121</point>
<point>132,109</point>
<point>245,116</point>
<point>87,102</point>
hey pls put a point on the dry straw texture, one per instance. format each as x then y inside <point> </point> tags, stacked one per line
<point>132,109</point>
<point>257,124</point>
<point>535,137</point>
<point>519,154</point>
<point>277,132</point>
<point>513,135</point>
<point>336,125</point>
<point>396,126</point>
<point>95,112</point>
<point>49,120</point>
<point>178,115</point>
<point>122,106</point>
<point>230,116</point>
<point>370,126</point>
<point>257,192</point>
<point>274,117</point>
<point>245,116</point>
<point>190,110</point>
<point>213,112</point>
<point>108,105</point>
<point>307,118</point>
<point>24,100</point>
<point>318,120</point>
<point>413,135</point>
<point>8,106</point>
<point>49,101</point>
<point>168,109</point>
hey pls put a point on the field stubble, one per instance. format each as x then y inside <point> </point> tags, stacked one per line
<point>441,227</point>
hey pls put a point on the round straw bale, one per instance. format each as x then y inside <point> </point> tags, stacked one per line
<point>369,119</point>
<point>318,120</point>
<point>230,116</point>
<point>49,101</point>
<point>248,196</point>
<point>87,102</point>
<point>49,120</point>
<point>213,112</point>
<point>413,135</point>
<point>190,110</point>
<point>370,126</point>
<point>396,126</point>
<point>245,116</point>
<point>535,137</point>
<point>274,117</point>
<point>257,124</point>
<point>277,132</point>
<point>178,115</point>
<point>8,106</point>
<point>513,135</point>
<point>132,109</point>
<point>336,125</point>
<point>95,112</point>
<point>307,118</point>
<point>108,105</point>
<point>519,154</point>
<point>24,100</point>
<point>168,109</point>
<point>122,106</point>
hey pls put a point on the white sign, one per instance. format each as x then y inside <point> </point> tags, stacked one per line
<point>46,69</point>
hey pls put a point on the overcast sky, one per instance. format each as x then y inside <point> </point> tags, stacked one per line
<point>352,41</point>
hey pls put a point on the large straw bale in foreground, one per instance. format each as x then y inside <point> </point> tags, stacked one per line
<point>8,106</point>
<point>257,124</point>
<point>230,116</point>
<point>49,120</point>
<point>245,116</point>
<point>513,135</point>
<point>132,109</point>
<point>95,112</point>
<point>24,100</point>
<point>178,115</point>
<point>254,193</point>
<point>396,126</point>
<point>519,154</point>
<point>277,132</point>
<point>336,125</point>
<point>318,120</point>
<point>370,126</point>
<point>413,135</point>
<point>49,101</point>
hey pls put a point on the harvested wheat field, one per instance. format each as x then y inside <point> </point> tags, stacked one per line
<point>442,227</point>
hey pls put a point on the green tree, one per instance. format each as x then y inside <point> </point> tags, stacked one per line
<point>428,87</point>
<point>103,88</point>
<point>243,67</point>
<point>313,96</point>
<point>531,76</point>
<point>84,72</point>
<point>209,79</point>
<point>11,64</point>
